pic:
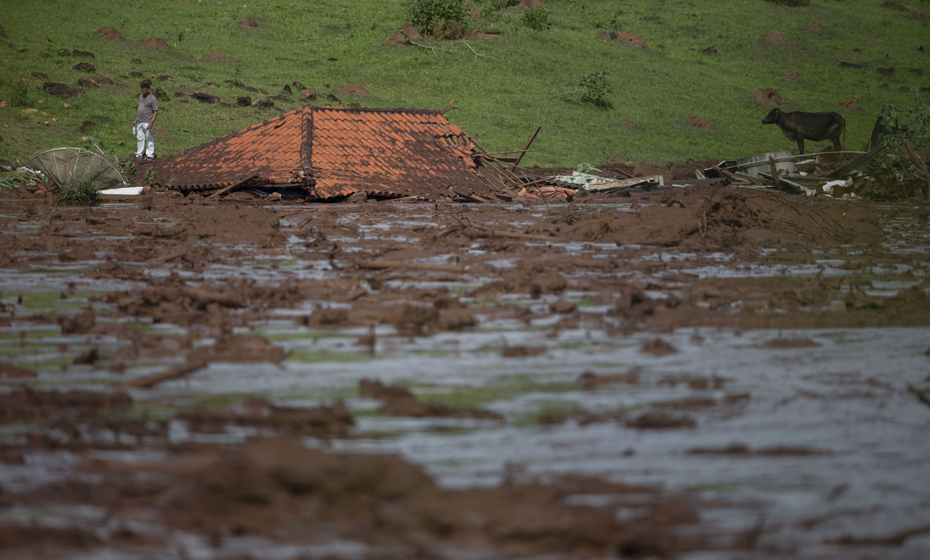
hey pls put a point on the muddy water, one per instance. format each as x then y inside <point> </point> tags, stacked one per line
<point>731,374</point>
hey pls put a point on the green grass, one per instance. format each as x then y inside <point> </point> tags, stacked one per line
<point>35,334</point>
<point>504,389</point>
<point>500,97</point>
<point>309,335</point>
<point>52,301</point>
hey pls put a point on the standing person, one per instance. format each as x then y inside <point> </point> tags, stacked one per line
<point>145,120</point>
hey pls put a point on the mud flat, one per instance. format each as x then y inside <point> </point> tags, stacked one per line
<point>705,373</point>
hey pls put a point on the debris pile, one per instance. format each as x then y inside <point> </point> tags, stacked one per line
<point>882,173</point>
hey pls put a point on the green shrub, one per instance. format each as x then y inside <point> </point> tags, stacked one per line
<point>503,4</point>
<point>908,144</point>
<point>18,95</point>
<point>592,89</point>
<point>537,19</point>
<point>437,17</point>
<point>914,124</point>
<point>85,192</point>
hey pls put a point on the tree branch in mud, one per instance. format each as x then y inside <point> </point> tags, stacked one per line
<point>150,381</point>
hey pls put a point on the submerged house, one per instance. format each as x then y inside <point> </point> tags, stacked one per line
<point>335,152</point>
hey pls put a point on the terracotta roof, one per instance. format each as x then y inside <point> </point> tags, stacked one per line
<point>335,151</point>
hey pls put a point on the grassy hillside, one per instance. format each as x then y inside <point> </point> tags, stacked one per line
<point>505,83</point>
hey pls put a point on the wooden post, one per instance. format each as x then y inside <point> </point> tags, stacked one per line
<point>533,137</point>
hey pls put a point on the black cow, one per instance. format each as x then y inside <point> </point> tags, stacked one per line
<point>800,126</point>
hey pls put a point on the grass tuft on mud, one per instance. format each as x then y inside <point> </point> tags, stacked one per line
<point>84,192</point>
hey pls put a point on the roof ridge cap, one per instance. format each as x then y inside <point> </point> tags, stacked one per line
<point>374,109</point>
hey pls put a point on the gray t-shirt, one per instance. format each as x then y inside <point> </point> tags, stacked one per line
<point>147,107</point>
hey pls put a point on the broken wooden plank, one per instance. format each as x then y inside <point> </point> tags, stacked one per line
<point>230,188</point>
<point>489,175</point>
<point>856,162</point>
<point>775,173</point>
<point>533,137</point>
<point>622,183</point>
<point>795,188</point>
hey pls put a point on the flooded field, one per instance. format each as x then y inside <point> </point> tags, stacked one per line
<point>700,374</point>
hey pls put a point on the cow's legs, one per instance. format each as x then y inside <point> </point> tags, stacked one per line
<point>801,145</point>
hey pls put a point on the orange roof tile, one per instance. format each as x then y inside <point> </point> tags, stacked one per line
<point>334,151</point>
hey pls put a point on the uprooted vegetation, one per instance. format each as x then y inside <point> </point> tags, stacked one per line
<point>906,150</point>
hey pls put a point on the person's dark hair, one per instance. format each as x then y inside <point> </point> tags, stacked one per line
<point>146,84</point>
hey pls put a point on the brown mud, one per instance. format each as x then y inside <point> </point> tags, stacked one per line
<point>162,290</point>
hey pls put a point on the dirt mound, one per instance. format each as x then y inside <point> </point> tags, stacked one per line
<point>248,22</point>
<point>406,34</point>
<point>63,91</point>
<point>790,77</point>
<point>724,218</point>
<point>399,401</point>
<point>625,38</point>
<point>849,103</point>
<point>658,347</point>
<point>696,121</point>
<point>774,36</point>
<point>767,97</point>
<point>29,405</point>
<point>273,483</point>
<point>155,43</point>
<point>687,169</point>
<point>218,55</point>
<point>101,80</point>
<point>13,371</point>
<point>110,34</point>
<point>231,224</point>
<point>316,421</point>
<point>240,348</point>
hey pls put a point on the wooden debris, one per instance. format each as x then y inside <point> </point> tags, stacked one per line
<point>149,381</point>
<point>226,190</point>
